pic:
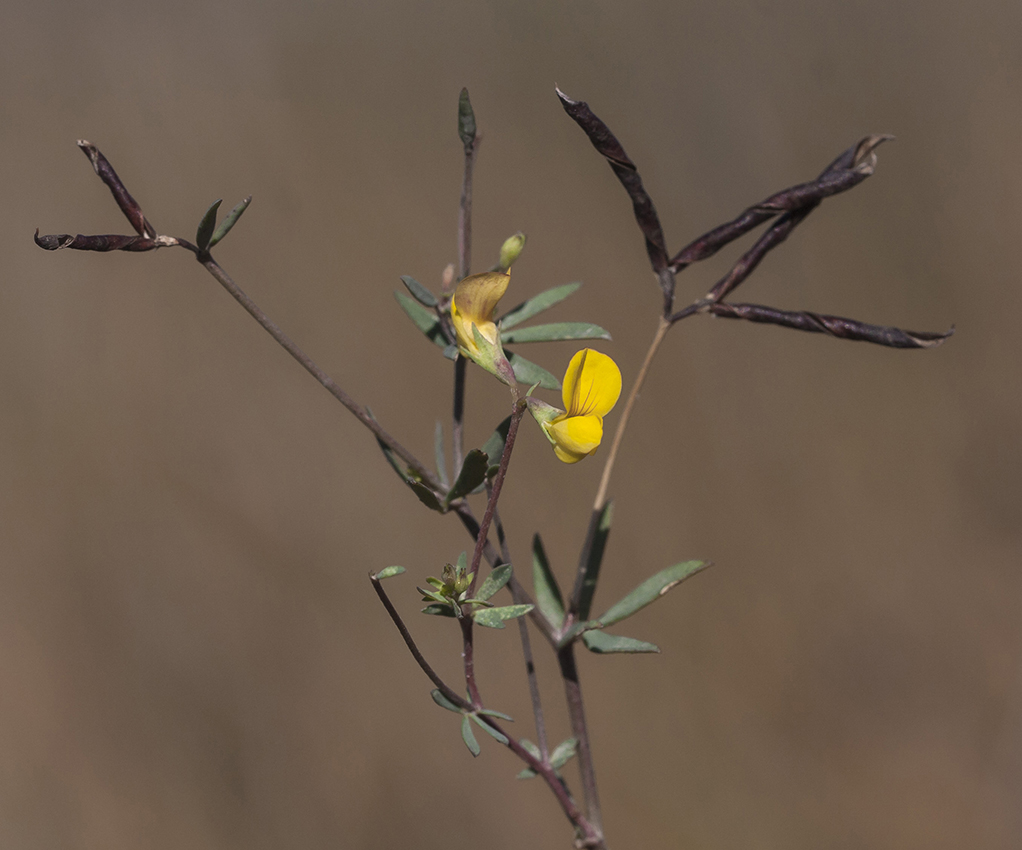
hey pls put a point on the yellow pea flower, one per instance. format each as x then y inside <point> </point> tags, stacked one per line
<point>475,299</point>
<point>591,387</point>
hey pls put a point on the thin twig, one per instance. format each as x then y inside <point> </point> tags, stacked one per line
<point>313,369</point>
<point>523,632</point>
<point>579,728</point>
<point>601,493</point>
<point>467,623</point>
<point>470,141</point>
<point>444,688</point>
<point>542,767</point>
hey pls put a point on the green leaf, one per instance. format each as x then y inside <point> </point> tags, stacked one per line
<point>533,751</point>
<point>229,221</point>
<point>601,642</point>
<point>419,292</point>
<point>494,447</point>
<point>563,753</point>
<point>592,570</point>
<point>438,610</point>
<point>205,230</point>
<point>468,737</point>
<point>577,629</point>
<point>495,581</point>
<point>493,618</point>
<point>401,471</point>
<point>530,748</point>
<point>498,736</point>
<point>451,351</point>
<point>544,585</point>
<point>462,562</point>
<point>387,572</point>
<point>443,702</point>
<point>555,333</point>
<point>527,372</point>
<point>425,321</point>
<point>473,473</point>
<point>426,496</point>
<point>651,590</point>
<point>489,712</point>
<point>537,304</point>
<point>438,453</point>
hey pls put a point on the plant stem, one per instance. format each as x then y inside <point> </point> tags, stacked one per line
<point>601,493</point>
<point>467,623</point>
<point>444,688</point>
<point>576,710</point>
<point>458,419</point>
<point>313,369</point>
<point>523,632</point>
<point>464,263</point>
<point>498,483</point>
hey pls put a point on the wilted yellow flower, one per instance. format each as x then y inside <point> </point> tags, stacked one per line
<point>475,299</point>
<point>591,387</point>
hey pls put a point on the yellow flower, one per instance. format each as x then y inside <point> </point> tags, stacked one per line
<point>475,299</point>
<point>591,387</point>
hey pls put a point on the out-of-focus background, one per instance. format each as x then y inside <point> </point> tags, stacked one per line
<point>190,652</point>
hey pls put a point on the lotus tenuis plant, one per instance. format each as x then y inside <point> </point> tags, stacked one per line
<point>480,587</point>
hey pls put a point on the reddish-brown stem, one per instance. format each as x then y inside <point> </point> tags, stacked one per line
<point>313,369</point>
<point>443,687</point>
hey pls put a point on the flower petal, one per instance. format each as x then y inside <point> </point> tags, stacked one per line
<point>474,301</point>
<point>592,384</point>
<point>575,437</point>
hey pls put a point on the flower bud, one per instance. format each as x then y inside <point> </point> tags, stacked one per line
<point>510,250</point>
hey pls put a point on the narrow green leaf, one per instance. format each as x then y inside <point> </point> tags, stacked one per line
<point>472,474</point>
<point>489,712</point>
<point>601,642</point>
<point>468,737</point>
<point>438,453</point>
<point>533,751</point>
<point>387,572</point>
<point>419,292</point>
<point>563,753</point>
<point>651,590</point>
<point>554,333</point>
<point>493,618</point>
<point>426,496</point>
<point>392,459</point>
<point>494,447</point>
<point>451,352</point>
<point>530,748</point>
<point>544,586</point>
<point>592,571</point>
<point>229,221</point>
<point>425,321</point>
<point>432,595</point>
<point>494,581</point>
<point>443,702</point>
<point>463,561</point>
<point>466,120</point>
<point>527,372</point>
<point>493,733</point>
<point>439,610</point>
<point>206,226</point>
<point>537,304</point>
<point>577,629</point>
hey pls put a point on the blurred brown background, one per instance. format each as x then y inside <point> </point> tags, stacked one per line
<point>190,652</point>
